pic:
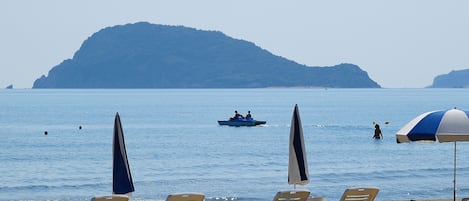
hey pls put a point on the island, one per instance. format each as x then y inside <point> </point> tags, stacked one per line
<point>145,55</point>
<point>454,79</point>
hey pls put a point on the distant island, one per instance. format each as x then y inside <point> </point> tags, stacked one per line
<point>454,79</point>
<point>144,55</point>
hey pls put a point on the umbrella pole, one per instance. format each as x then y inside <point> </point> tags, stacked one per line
<point>454,173</point>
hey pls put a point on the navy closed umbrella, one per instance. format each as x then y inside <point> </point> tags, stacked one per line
<point>297,165</point>
<point>121,178</point>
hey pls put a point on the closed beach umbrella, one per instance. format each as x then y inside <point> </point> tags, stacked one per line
<point>121,179</point>
<point>297,165</point>
<point>443,126</point>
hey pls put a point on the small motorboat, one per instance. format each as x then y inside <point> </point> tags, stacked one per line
<point>241,122</point>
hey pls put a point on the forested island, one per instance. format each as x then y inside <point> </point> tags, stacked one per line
<point>144,55</point>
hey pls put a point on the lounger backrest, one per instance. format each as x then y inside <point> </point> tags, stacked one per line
<point>186,197</point>
<point>360,194</point>
<point>111,198</point>
<point>301,195</point>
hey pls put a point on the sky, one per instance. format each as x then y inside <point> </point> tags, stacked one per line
<point>400,43</point>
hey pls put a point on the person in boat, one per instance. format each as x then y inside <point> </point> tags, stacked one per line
<point>378,134</point>
<point>248,115</point>
<point>237,116</point>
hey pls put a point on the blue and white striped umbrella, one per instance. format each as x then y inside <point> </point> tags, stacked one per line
<point>444,126</point>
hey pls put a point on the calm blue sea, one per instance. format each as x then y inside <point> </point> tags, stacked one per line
<point>174,143</point>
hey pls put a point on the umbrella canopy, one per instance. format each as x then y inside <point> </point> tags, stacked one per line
<point>121,178</point>
<point>297,165</point>
<point>443,125</point>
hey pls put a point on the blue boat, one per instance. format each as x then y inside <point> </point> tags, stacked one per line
<point>241,122</point>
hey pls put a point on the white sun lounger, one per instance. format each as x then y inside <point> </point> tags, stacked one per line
<point>186,197</point>
<point>298,195</point>
<point>360,194</point>
<point>111,198</point>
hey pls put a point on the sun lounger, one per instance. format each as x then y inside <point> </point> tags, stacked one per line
<point>111,198</point>
<point>300,195</point>
<point>186,197</point>
<point>360,194</point>
<point>316,199</point>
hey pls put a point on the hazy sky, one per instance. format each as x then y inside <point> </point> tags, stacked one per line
<point>400,43</point>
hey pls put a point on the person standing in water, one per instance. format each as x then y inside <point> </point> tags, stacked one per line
<point>378,134</point>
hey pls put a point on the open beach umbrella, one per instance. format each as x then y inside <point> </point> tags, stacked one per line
<point>297,165</point>
<point>444,125</point>
<point>121,178</point>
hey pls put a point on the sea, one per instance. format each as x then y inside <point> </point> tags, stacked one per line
<point>174,143</point>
